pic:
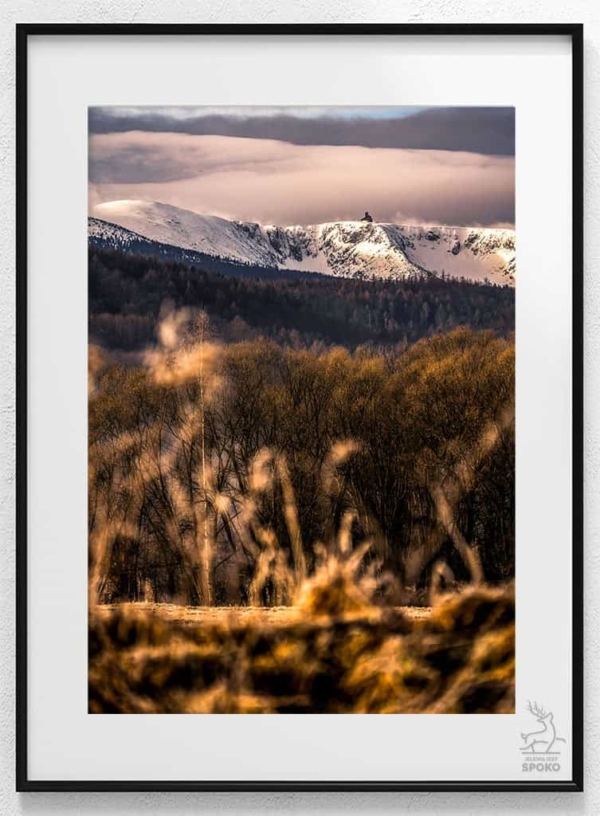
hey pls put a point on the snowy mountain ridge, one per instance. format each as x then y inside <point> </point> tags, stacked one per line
<point>353,249</point>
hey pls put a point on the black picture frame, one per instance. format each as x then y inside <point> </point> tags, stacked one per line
<point>23,32</point>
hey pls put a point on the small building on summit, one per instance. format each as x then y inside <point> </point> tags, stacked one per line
<point>367,217</point>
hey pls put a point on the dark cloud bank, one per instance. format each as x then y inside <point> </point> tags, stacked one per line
<point>439,165</point>
<point>488,131</point>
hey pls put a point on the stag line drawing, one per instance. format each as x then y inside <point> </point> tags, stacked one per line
<point>544,740</point>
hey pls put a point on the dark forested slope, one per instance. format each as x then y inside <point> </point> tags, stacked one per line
<point>126,293</point>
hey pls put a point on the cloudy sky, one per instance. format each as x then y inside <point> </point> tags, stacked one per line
<point>309,165</point>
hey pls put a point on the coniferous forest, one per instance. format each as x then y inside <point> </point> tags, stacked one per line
<point>128,292</point>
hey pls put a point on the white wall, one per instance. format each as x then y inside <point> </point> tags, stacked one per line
<point>307,11</point>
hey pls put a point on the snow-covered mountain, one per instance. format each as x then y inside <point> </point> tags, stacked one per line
<point>353,249</point>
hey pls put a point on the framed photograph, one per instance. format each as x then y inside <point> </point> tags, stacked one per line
<point>299,407</point>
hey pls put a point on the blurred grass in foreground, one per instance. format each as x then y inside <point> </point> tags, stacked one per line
<point>335,652</point>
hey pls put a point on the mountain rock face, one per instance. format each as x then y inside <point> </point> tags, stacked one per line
<point>103,235</point>
<point>352,249</point>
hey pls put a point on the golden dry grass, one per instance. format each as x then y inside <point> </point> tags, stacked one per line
<point>335,652</point>
<point>335,647</point>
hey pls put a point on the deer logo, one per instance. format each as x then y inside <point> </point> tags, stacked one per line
<point>545,739</point>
